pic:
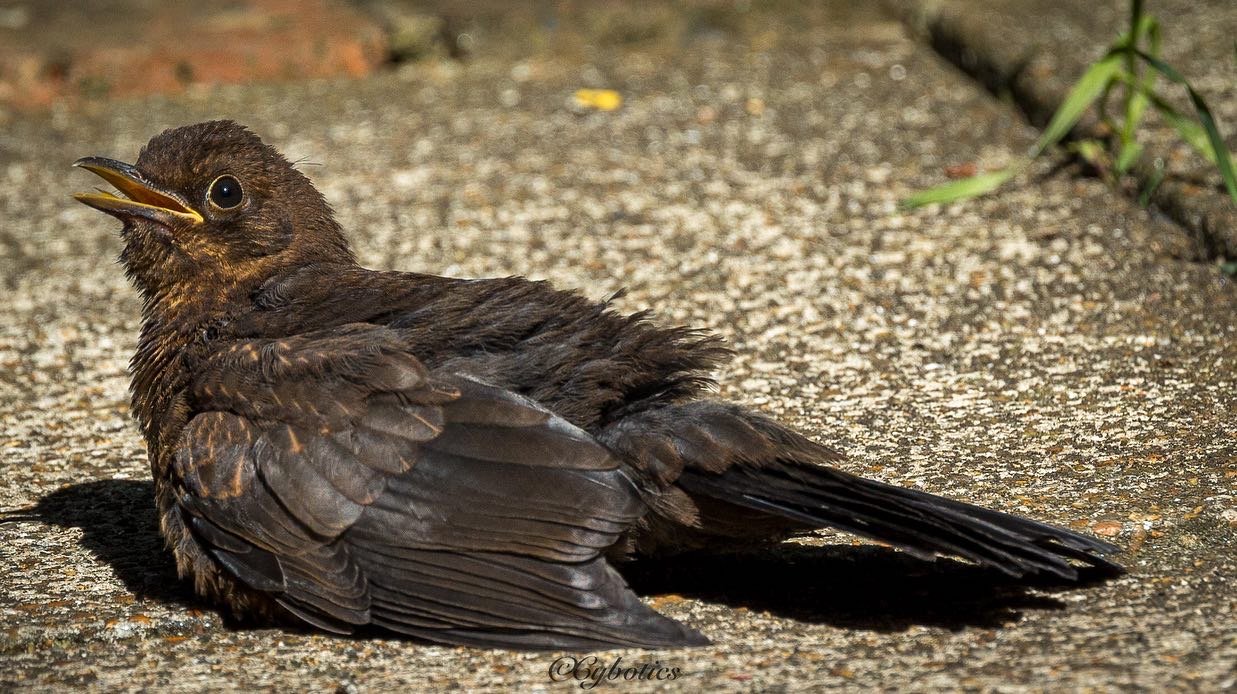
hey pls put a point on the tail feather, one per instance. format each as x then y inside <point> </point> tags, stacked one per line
<point>1007,535</point>
<point>922,524</point>
<point>725,452</point>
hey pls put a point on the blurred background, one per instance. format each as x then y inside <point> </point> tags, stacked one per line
<point>86,50</point>
<point>77,55</point>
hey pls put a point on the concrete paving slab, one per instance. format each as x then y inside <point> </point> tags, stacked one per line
<point>1041,351</point>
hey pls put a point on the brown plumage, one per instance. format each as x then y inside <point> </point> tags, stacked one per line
<point>456,460</point>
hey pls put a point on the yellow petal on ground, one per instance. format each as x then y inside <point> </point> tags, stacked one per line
<point>598,99</point>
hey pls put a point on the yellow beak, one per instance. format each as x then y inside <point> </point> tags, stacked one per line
<point>144,199</point>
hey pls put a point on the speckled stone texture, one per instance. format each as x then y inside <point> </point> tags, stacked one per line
<point>1043,351</point>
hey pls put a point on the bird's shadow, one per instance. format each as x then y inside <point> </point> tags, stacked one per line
<point>857,587</point>
<point>119,527</point>
<point>865,587</point>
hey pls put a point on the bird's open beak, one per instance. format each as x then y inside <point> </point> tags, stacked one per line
<point>144,199</point>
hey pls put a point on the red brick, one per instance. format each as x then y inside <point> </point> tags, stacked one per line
<point>79,50</point>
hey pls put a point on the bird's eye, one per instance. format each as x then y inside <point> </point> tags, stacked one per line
<point>226,193</point>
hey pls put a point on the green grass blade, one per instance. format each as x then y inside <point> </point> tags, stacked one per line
<point>963,189</point>
<point>1130,152</point>
<point>1091,151</point>
<point>1191,132</point>
<point>1081,96</point>
<point>1135,106</point>
<point>1224,162</point>
<point>1137,86</point>
<point>1153,31</point>
<point>1136,14</point>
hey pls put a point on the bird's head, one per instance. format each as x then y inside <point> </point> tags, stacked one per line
<point>210,210</point>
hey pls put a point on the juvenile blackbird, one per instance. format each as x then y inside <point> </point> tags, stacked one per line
<point>462,461</point>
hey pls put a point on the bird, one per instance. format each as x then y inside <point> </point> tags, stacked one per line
<point>455,461</point>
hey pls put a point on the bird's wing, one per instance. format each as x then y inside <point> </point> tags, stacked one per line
<point>334,472</point>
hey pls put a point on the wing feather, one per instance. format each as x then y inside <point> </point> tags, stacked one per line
<point>337,474</point>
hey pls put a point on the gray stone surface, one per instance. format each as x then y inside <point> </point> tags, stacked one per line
<point>1040,351</point>
<point>1034,52</point>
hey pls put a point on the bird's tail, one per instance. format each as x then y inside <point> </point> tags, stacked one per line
<point>726,453</point>
<point>922,524</point>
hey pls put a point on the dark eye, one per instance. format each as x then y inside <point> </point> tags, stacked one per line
<point>226,192</point>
